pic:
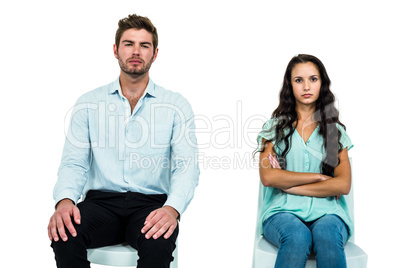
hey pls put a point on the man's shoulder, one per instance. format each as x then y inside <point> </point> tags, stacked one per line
<point>170,96</point>
<point>99,93</point>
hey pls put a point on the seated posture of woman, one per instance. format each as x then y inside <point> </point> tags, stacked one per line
<point>305,167</point>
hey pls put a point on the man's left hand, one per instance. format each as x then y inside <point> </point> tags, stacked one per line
<point>160,221</point>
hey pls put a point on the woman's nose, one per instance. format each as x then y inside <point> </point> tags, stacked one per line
<point>306,86</point>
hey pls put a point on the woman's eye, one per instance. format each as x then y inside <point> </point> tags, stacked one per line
<point>314,79</point>
<point>298,80</point>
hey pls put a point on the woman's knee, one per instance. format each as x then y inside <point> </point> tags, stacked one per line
<point>329,236</point>
<point>287,230</point>
<point>329,232</point>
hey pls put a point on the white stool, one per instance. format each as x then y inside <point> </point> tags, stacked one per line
<point>120,255</point>
<point>265,255</point>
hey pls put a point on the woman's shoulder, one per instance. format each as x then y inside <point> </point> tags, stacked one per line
<point>344,139</point>
<point>268,130</point>
<point>273,122</point>
<point>270,124</point>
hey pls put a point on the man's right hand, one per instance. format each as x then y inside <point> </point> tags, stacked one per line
<point>65,210</point>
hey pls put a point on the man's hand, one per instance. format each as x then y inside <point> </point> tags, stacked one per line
<point>61,218</point>
<point>160,221</point>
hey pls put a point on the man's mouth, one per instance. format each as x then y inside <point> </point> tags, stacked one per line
<point>135,61</point>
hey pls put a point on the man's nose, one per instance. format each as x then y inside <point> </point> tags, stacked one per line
<point>136,50</point>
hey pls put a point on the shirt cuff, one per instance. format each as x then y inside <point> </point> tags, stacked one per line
<point>65,195</point>
<point>176,203</point>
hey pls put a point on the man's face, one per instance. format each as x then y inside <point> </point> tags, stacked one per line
<point>135,52</point>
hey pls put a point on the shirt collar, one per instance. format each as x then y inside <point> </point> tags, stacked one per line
<point>150,89</point>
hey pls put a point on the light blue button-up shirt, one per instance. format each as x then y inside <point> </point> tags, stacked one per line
<point>152,150</point>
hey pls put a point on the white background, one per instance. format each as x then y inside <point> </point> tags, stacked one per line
<point>228,59</point>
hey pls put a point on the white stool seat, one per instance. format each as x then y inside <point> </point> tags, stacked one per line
<point>119,255</point>
<point>265,255</point>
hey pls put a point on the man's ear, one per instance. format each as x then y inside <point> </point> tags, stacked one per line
<point>115,51</point>
<point>155,54</point>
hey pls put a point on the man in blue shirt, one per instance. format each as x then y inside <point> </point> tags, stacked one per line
<point>131,154</point>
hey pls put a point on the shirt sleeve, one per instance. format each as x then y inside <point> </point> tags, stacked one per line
<point>345,140</point>
<point>75,162</point>
<point>267,132</point>
<point>184,162</point>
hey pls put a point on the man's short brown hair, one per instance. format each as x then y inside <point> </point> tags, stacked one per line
<point>136,22</point>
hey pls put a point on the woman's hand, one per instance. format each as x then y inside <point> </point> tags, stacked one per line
<point>274,161</point>
<point>275,164</point>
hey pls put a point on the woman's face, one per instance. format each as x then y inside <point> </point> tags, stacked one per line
<point>306,83</point>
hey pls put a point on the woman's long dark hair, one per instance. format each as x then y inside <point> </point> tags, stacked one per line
<point>326,115</point>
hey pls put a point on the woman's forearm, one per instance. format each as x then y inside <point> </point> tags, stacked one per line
<point>339,185</point>
<point>272,175</point>
<point>307,184</point>
<point>334,187</point>
<point>283,179</point>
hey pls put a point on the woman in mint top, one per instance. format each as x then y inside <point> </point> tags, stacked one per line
<point>305,167</point>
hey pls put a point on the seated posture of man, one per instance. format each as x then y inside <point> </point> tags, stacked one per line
<point>130,152</point>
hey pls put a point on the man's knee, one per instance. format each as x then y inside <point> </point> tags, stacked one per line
<point>156,252</point>
<point>70,253</point>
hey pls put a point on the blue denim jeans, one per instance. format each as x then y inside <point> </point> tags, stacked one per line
<point>295,239</point>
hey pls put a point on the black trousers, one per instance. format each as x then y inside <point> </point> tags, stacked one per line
<point>113,218</point>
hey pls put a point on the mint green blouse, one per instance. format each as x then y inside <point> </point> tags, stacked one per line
<point>303,157</point>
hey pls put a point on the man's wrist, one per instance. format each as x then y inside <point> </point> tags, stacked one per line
<point>65,200</point>
<point>177,214</point>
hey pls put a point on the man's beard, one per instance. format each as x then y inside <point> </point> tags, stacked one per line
<point>124,67</point>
